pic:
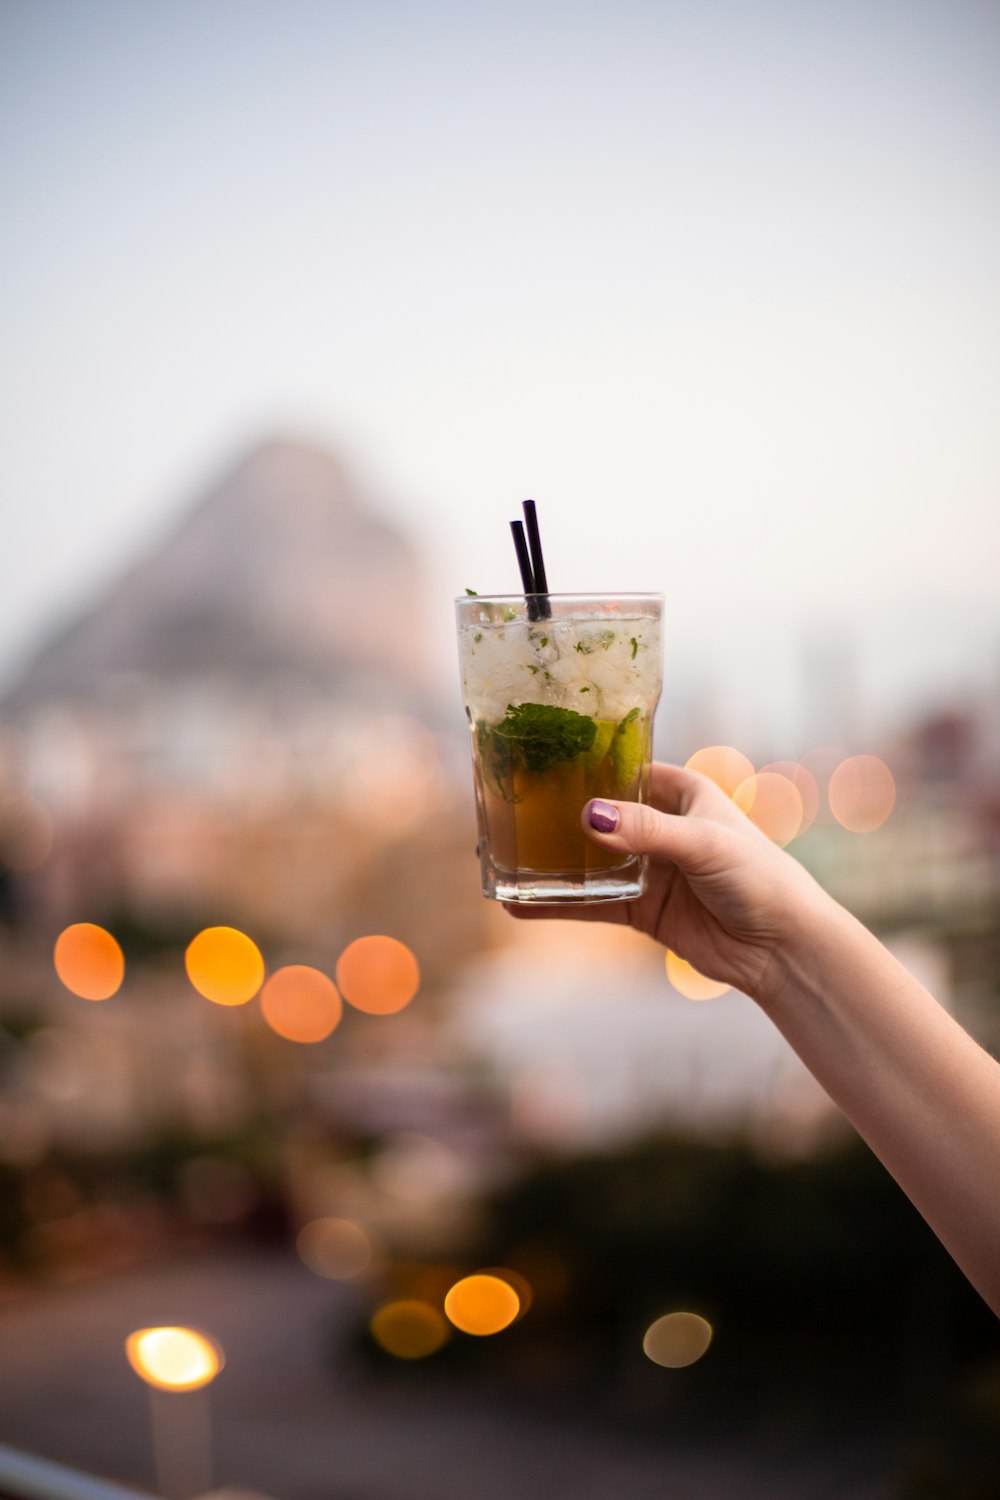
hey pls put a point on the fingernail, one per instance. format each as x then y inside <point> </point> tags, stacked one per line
<point>603,817</point>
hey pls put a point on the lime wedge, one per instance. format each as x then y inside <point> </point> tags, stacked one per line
<point>626,749</point>
<point>602,740</point>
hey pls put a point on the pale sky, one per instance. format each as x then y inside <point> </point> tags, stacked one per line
<point>716,283</point>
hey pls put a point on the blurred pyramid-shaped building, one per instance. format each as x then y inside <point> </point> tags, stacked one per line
<point>282,574</point>
<point>268,637</point>
<point>245,722</point>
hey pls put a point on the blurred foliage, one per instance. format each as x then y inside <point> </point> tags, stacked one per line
<point>54,1213</point>
<point>18,1024</point>
<point>830,1299</point>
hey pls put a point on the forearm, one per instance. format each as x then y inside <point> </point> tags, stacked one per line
<point>917,1088</point>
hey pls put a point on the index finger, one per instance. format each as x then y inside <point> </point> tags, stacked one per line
<point>674,789</point>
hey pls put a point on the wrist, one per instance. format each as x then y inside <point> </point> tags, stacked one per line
<point>818,938</point>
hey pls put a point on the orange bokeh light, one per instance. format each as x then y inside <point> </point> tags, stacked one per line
<point>301,1004</point>
<point>224,965</point>
<point>821,762</point>
<point>862,793</point>
<point>482,1304</point>
<point>722,764</point>
<point>520,1284</point>
<point>379,975</point>
<point>408,1328</point>
<point>806,783</point>
<point>89,961</point>
<point>687,981</point>
<point>773,804</point>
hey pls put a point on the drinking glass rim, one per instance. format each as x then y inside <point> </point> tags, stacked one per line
<point>604,594</point>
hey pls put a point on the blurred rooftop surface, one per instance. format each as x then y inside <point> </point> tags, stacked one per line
<point>291,1423</point>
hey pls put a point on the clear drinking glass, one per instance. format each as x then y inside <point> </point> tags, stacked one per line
<point>560,709</point>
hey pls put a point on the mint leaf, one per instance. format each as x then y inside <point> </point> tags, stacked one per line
<point>588,644</point>
<point>541,735</point>
<point>472,593</point>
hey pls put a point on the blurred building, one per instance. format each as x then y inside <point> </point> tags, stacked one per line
<point>242,730</point>
<point>275,621</point>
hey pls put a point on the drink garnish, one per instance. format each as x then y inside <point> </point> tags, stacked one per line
<point>627,747</point>
<point>541,735</point>
<point>589,643</point>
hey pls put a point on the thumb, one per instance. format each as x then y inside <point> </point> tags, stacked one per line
<point>637,828</point>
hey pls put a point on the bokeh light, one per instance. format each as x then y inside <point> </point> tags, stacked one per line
<point>677,1339</point>
<point>806,783</point>
<point>408,1329</point>
<point>174,1359</point>
<point>301,1004</point>
<point>862,793</point>
<point>725,766</point>
<point>417,1169</point>
<point>773,804</point>
<point>378,975</point>
<point>336,1248</point>
<point>482,1304</point>
<point>520,1284</point>
<point>89,961</point>
<point>821,762</point>
<point>687,981</point>
<point>224,965</point>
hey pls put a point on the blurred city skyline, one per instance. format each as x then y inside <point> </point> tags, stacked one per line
<point>299,302</point>
<point>716,285</point>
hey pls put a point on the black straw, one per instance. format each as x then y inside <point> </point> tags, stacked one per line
<point>524,563</point>
<point>541,586</point>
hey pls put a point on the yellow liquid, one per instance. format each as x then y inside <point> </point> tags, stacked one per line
<point>532,818</point>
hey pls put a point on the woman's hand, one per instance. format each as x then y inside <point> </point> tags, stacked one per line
<point>719,893</point>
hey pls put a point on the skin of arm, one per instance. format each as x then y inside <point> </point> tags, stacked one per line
<point>919,1090</point>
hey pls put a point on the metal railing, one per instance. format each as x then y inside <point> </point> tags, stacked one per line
<point>23,1476</point>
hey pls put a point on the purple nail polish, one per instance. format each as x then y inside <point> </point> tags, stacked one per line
<point>603,817</point>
